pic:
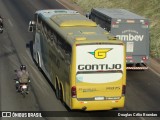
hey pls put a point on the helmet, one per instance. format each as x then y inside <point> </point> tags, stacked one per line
<point>23,67</point>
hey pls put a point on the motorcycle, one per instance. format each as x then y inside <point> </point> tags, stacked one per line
<point>23,89</point>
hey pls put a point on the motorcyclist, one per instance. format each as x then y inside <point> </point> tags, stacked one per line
<point>22,77</point>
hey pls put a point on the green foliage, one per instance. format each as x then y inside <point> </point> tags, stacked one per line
<point>147,8</point>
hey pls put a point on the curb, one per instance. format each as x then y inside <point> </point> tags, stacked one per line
<point>71,5</point>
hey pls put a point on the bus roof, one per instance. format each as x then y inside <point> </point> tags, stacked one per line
<point>51,12</point>
<point>70,20</point>
<point>75,27</point>
<point>117,13</point>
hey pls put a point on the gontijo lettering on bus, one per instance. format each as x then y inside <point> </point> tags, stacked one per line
<point>99,66</point>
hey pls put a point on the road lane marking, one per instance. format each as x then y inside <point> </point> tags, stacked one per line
<point>62,4</point>
<point>43,90</point>
<point>154,72</point>
<point>66,118</point>
<point>28,53</point>
<point>10,22</point>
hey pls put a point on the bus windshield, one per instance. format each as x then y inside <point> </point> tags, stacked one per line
<point>99,63</point>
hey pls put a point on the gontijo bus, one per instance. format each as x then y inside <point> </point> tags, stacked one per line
<point>85,64</point>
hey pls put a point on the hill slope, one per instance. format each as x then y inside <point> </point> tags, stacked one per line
<point>147,8</point>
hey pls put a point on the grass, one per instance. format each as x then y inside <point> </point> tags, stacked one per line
<point>146,8</point>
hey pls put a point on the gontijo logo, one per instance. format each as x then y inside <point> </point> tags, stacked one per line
<point>100,53</point>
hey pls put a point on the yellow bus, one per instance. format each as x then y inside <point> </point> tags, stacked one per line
<point>85,64</point>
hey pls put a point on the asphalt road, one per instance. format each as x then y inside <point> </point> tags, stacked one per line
<point>143,87</point>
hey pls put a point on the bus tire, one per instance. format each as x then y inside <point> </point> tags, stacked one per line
<point>57,92</point>
<point>61,94</point>
<point>38,62</point>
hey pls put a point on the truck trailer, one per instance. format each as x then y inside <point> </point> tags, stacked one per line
<point>128,27</point>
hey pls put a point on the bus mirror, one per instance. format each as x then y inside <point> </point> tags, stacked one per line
<point>31,26</point>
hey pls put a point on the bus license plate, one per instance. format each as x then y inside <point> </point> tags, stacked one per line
<point>99,98</point>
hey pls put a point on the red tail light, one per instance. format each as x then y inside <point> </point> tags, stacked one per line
<point>73,91</point>
<point>146,23</point>
<point>144,58</point>
<point>113,23</point>
<point>124,89</point>
<point>128,57</point>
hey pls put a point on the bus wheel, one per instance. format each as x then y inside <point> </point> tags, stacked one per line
<point>37,59</point>
<point>38,63</point>
<point>57,92</point>
<point>61,94</point>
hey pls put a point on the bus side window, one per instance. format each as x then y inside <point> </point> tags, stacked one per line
<point>50,34</point>
<point>67,51</point>
<point>53,39</point>
<point>42,27</point>
<point>58,42</point>
<point>39,24</point>
<point>46,31</point>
